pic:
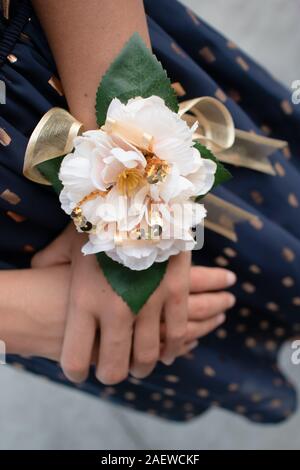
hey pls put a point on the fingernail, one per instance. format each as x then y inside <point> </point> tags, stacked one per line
<point>231,300</point>
<point>193,345</point>
<point>168,362</point>
<point>231,278</point>
<point>221,318</point>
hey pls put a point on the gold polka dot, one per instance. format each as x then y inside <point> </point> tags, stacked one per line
<point>256,223</point>
<point>266,129</point>
<point>177,50</point>
<point>231,45</point>
<point>240,409</point>
<point>16,217</point>
<point>293,201</point>
<point>5,139</point>
<point>12,58</point>
<point>25,38</point>
<point>230,252</point>
<point>242,63</point>
<point>178,88</point>
<point>254,269</point>
<point>221,261</point>
<point>220,95</point>
<point>286,152</point>
<point>207,54</point>
<point>234,95</point>
<point>288,281</point>
<point>240,328</point>
<point>28,248</point>
<point>221,333</point>
<point>264,325</point>
<point>134,381</point>
<point>203,392</point>
<point>168,404</point>
<point>272,306</point>
<point>189,416</point>
<point>288,254</point>
<point>209,371</point>
<point>10,196</point>
<point>188,407</point>
<point>256,397</point>
<point>233,387</point>
<point>250,342</point>
<point>270,345</point>
<point>172,378</point>
<point>189,356</point>
<point>257,197</point>
<point>170,392</point>
<point>279,332</point>
<point>55,83</point>
<point>277,382</point>
<point>193,16</point>
<point>245,312</point>
<point>248,287</point>
<point>151,411</point>
<point>155,396</point>
<point>276,403</point>
<point>130,396</point>
<point>279,169</point>
<point>17,365</point>
<point>215,403</point>
<point>109,390</point>
<point>296,301</point>
<point>286,107</point>
<point>257,417</point>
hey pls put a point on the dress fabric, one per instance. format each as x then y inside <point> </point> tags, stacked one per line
<point>236,366</point>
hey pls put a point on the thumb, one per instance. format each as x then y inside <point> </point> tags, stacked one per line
<point>57,252</point>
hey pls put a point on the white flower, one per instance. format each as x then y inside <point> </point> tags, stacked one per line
<point>135,204</point>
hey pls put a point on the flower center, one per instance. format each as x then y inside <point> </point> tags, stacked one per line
<point>156,169</point>
<point>129,180</point>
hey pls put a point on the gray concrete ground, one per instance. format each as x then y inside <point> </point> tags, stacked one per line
<point>36,414</point>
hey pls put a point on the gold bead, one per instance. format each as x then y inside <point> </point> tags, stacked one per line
<point>76,212</point>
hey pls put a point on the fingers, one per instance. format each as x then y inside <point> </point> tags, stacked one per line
<point>57,252</point>
<point>204,306</point>
<point>203,279</point>
<point>146,342</point>
<point>115,347</point>
<point>78,344</point>
<point>175,328</point>
<point>187,347</point>
<point>198,329</point>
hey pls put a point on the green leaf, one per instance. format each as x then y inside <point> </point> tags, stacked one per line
<point>135,287</point>
<point>50,170</point>
<point>222,174</point>
<point>134,72</point>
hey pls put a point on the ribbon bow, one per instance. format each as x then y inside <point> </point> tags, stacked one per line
<point>54,134</point>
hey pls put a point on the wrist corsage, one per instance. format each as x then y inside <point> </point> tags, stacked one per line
<point>134,184</point>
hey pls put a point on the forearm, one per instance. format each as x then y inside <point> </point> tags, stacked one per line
<point>32,308</point>
<point>85,37</point>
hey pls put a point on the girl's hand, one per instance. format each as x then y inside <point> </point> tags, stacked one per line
<point>126,342</point>
<point>205,311</point>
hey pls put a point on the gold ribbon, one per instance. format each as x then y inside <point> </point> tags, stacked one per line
<point>54,135</point>
<point>222,216</point>
<point>5,8</point>
<point>234,146</point>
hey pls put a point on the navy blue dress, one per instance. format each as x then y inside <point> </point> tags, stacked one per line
<point>234,367</point>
